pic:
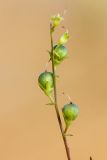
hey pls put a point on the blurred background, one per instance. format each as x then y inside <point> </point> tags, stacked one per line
<point>28,128</point>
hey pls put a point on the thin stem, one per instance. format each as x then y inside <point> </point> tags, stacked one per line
<point>51,99</point>
<point>66,128</point>
<point>55,98</point>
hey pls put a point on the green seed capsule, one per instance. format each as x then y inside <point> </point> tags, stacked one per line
<point>60,53</point>
<point>45,81</point>
<point>70,112</point>
<point>64,38</point>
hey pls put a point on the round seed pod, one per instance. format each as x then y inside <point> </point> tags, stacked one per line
<point>60,53</point>
<point>45,81</point>
<point>70,112</point>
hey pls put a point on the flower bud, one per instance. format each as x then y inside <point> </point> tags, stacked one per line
<point>56,20</point>
<point>64,38</point>
<point>60,53</point>
<point>45,81</point>
<point>70,112</point>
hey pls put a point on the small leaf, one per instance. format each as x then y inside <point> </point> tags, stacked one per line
<point>49,52</point>
<point>68,135</point>
<point>50,104</point>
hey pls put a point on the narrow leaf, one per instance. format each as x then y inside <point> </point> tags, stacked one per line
<point>50,104</point>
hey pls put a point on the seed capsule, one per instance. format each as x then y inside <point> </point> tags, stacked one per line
<point>60,53</point>
<point>45,81</point>
<point>64,38</point>
<point>70,112</point>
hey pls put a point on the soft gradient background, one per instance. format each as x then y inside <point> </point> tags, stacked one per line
<point>29,129</point>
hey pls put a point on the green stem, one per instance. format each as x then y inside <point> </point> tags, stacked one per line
<point>51,99</point>
<point>66,128</point>
<point>55,97</point>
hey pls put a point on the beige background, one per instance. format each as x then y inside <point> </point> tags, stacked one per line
<point>29,129</point>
